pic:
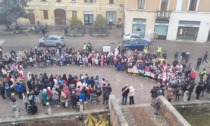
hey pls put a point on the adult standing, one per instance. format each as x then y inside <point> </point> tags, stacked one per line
<point>202,74</point>
<point>106,94</point>
<point>205,57</point>
<point>125,91</point>
<point>154,94</point>
<point>170,94</point>
<point>199,60</point>
<point>157,105</point>
<point>198,90</point>
<point>131,95</point>
<point>44,97</point>
<point>73,100</point>
<point>55,97</point>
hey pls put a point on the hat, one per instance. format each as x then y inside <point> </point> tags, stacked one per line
<point>13,94</point>
<point>48,88</point>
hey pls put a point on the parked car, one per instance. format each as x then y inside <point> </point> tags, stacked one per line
<point>52,40</point>
<point>138,44</point>
<point>133,36</point>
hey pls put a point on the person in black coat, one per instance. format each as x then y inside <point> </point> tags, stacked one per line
<point>190,90</point>
<point>125,91</point>
<point>198,90</point>
<point>73,100</point>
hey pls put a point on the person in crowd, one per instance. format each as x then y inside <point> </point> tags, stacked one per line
<point>63,98</point>
<point>13,99</point>
<point>199,60</point>
<point>170,94</point>
<point>106,94</point>
<point>55,97</point>
<point>125,91</point>
<point>45,98</point>
<point>154,94</point>
<point>202,74</point>
<point>157,104</point>
<point>131,95</point>
<point>198,90</point>
<point>73,100</point>
<point>205,57</point>
<point>98,93</point>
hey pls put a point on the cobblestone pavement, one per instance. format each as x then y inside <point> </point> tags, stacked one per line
<point>116,79</point>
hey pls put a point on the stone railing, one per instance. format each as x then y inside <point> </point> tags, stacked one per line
<point>116,116</point>
<point>173,117</point>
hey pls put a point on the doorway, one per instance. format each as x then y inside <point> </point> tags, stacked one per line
<point>111,16</point>
<point>31,18</point>
<point>88,19</point>
<point>60,17</point>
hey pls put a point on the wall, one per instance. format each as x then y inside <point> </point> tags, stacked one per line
<point>172,116</point>
<point>204,18</point>
<point>116,116</point>
<point>149,16</point>
<point>98,7</point>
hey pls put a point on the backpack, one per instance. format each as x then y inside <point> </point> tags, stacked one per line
<point>6,86</point>
<point>106,95</point>
<point>179,92</point>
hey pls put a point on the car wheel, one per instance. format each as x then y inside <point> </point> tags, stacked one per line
<point>42,44</point>
<point>58,44</point>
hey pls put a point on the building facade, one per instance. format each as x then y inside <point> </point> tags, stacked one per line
<point>58,12</point>
<point>185,20</point>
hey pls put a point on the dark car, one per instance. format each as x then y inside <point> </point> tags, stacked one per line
<point>138,44</point>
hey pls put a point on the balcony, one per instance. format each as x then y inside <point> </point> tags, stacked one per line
<point>163,14</point>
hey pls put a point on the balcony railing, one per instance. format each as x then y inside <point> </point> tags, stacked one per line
<point>163,14</point>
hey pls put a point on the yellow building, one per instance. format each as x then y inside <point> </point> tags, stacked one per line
<point>57,12</point>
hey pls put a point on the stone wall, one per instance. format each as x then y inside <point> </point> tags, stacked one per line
<point>116,116</point>
<point>173,117</point>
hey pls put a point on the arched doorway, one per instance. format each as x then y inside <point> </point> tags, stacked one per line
<point>60,17</point>
<point>31,18</point>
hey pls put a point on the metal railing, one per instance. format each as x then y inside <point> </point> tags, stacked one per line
<point>163,14</point>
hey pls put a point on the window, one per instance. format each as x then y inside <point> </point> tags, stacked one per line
<point>111,1</point>
<point>164,5</point>
<point>74,14</point>
<point>193,4</point>
<point>58,0</point>
<point>44,0</point>
<point>141,4</point>
<point>73,0</point>
<point>45,13</point>
<point>88,1</point>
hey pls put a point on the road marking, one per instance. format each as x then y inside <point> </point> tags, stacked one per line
<point>1,42</point>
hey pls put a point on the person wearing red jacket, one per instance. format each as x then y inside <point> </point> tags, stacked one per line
<point>49,92</point>
<point>193,75</point>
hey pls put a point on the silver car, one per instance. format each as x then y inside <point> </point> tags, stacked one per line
<point>133,36</point>
<point>52,40</point>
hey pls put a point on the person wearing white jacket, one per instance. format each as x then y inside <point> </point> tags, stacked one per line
<point>131,95</point>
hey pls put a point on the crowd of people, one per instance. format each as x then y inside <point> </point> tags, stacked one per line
<point>176,78</point>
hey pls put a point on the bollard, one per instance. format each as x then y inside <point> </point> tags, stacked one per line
<point>185,97</point>
<point>81,107</point>
<point>49,110</point>
<point>16,112</point>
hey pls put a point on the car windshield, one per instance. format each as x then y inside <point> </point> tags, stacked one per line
<point>45,38</point>
<point>127,35</point>
<point>61,37</point>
